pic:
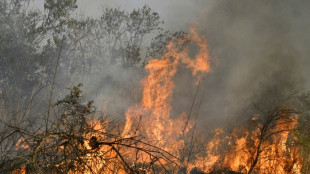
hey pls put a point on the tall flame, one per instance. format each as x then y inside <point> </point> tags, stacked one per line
<point>151,119</point>
<point>154,109</point>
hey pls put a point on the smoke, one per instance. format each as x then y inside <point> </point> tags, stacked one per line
<point>262,51</point>
<point>114,90</point>
<point>261,48</point>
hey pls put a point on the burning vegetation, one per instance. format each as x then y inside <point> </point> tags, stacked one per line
<point>72,136</point>
<point>151,141</point>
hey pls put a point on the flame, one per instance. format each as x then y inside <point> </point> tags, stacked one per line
<point>277,155</point>
<point>154,109</point>
<point>152,120</point>
<point>21,170</point>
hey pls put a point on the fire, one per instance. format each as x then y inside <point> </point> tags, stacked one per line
<point>237,152</point>
<point>245,149</point>
<point>158,87</point>
<point>21,170</point>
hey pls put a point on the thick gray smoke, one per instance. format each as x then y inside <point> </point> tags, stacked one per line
<point>261,48</point>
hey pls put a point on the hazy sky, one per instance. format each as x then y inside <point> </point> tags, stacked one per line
<point>176,13</point>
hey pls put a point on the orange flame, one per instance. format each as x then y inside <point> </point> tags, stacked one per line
<point>151,119</point>
<point>158,88</point>
<point>276,156</point>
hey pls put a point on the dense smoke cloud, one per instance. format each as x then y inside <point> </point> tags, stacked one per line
<point>261,48</point>
<point>262,51</point>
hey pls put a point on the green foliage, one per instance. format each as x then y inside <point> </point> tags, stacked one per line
<point>74,97</point>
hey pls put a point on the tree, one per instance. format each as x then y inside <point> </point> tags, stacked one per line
<point>273,123</point>
<point>20,62</point>
<point>76,143</point>
<point>31,40</point>
<point>32,44</point>
<point>116,39</point>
